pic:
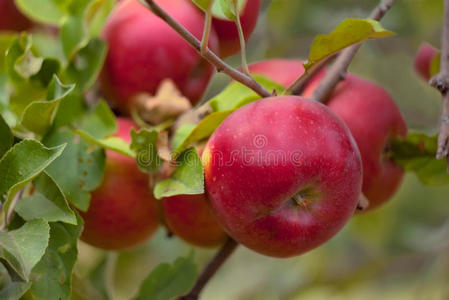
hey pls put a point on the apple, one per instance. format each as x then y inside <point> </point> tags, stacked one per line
<point>283,175</point>
<point>374,120</point>
<point>11,18</point>
<point>144,50</point>
<point>423,60</point>
<point>227,29</point>
<point>123,212</point>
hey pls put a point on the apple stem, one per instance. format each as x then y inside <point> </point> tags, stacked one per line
<point>211,57</point>
<point>207,27</point>
<point>441,82</point>
<point>339,69</point>
<point>212,267</point>
<point>241,37</point>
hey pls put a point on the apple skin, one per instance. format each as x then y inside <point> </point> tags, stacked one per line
<point>144,50</point>
<point>282,71</point>
<point>251,191</point>
<point>227,29</point>
<point>423,60</point>
<point>123,212</point>
<point>11,18</point>
<point>374,119</point>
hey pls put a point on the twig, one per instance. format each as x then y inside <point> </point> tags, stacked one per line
<point>214,264</point>
<point>208,55</point>
<point>338,70</point>
<point>441,82</point>
<point>207,28</point>
<point>241,37</point>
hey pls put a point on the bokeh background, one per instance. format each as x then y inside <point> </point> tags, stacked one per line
<point>400,251</point>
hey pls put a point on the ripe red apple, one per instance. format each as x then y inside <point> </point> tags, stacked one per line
<point>423,60</point>
<point>283,71</point>
<point>144,50</point>
<point>374,120</point>
<point>123,212</point>
<point>227,30</point>
<point>283,175</point>
<point>11,18</point>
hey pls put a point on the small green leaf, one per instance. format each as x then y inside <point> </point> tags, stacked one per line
<point>24,247</point>
<point>204,129</point>
<point>417,153</point>
<point>52,276</point>
<point>181,134</point>
<point>80,168</point>
<point>6,137</point>
<point>112,143</point>
<point>21,164</point>
<point>39,115</point>
<point>47,202</point>
<point>6,40</point>
<point>20,60</point>
<point>236,94</point>
<point>144,144</point>
<point>187,179</point>
<point>73,36</point>
<point>85,66</point>
<point>167,282</point>
<point>97,15</point>
<point>435,65</point>
<point>10,289</point>
<point>44,11</point>
<point>224,9</point>
<point>203,4</point>
<point>348,32</point>
<point>70,109</point>
<point>99,121</point>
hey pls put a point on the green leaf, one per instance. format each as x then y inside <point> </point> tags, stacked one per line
<point>99,121</point>
<point>24,247</point>
<point>203,4</point>
<point>6,40</point>
<point>39,115</point>
<point>70,109</point>
<point>181,134</point>
<point>167,281</point>
<point>44,11</point>
<point>187,179</point>
<point>52,276</point>
<point>85,66</point>
<point>435,65</point>
<point>112,143</point>
<point>80,168</point>
<point>6,137</point>
<point>10,289</point>
<point>21,164</point>
<point>236,94</point>
<point>348,32</point>
<point>20,61</point>
<point>224,9</point>
<point>144,144</point>
<point>204,129</point>
<point>97,15</point>
<point>47,202</point>
<point>417,153</point>
<point>73,35</point>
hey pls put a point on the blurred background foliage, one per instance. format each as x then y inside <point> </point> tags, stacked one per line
<point>400,251</point>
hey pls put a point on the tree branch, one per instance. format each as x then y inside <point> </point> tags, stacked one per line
<point>214,264</point>
<point>441,82</point>
<point>338,70</point>
<point>208,55</point>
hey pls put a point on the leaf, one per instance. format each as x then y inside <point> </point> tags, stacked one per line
<point>21,164</point>
<point>112,143</point>
<point>144,144</point>
<point>236,94</point>
<point>203,4</point>
<point>44,11</point>
<point>85,66</point>
<point>10,289</point>
<point>167,282</point>
<point>6,137</point>
<point>417,153</point>
<point>39,115</point>
<point>70,109</point>
<point>204,129</point>
<point>47,202</point>
<point>181,134</point>
<point>24,247</point>
<point>73,36</point>
<point>6,40</point>
<point>224,9</point>
<point>348,32</point>
<point>99,122</point>
<point>97,15</point>
<point>435,65</point>
<point>20,61</point>
<point>80,168</point>
<point>187,179</point>
<point>52,276</point>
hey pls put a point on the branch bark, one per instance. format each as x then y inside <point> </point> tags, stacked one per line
<point>441,82</point>
<point>215,263</point>
<point>208,54</point>
<point>338,70</point>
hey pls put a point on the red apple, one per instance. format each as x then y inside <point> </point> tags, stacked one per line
<point>144,50</point>
<point>283,175</point>
<point>283,71</point>
<point>123,212</point>
<point>423,60</point>
<point>227,30</point>
<point>374,120</point>
<point>11,18</point>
